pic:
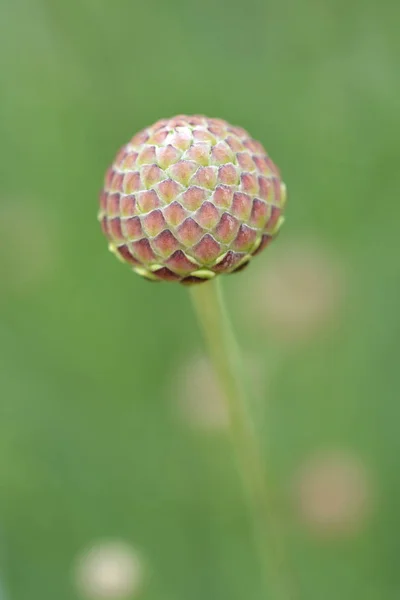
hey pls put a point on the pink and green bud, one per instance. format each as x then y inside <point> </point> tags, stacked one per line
<point>189,198</point>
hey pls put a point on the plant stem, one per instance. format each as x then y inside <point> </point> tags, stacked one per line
<point>224,353</point>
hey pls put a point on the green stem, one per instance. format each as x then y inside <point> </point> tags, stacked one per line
<point>224,353</point>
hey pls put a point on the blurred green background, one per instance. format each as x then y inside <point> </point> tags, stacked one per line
<point>105,442</point>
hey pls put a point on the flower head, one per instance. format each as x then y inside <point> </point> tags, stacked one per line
<point>189,198</point>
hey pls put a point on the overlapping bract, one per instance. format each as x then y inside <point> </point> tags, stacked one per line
<point>191,197</point>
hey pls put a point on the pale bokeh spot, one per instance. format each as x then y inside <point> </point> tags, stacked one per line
<point>199,399</point>
<point>197,394</point>
<point>28,244</point>
<point>297,293</point>
<point>109,570</point>
<point>334,493</point>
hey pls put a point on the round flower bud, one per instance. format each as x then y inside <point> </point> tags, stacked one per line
<point>189,198</point>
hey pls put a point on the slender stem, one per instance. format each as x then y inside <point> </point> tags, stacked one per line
<point>225,356</point>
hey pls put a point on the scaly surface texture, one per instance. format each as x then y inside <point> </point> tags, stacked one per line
<point>189,198</point>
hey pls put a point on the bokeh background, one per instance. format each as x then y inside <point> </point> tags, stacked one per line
<point>116,477</point>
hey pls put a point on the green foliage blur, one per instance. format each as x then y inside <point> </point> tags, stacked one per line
<point>94,443</point>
